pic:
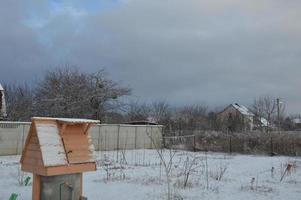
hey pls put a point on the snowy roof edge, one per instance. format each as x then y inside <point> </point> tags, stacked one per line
<point>68,120</point>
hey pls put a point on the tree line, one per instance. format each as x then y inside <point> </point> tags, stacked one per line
<point>69,92</point>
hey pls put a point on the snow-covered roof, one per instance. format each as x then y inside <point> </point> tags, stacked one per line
<point>69,120</point>
<point>1,88</point>
<point>242,109</point>
<point>264,122</point>
<point>51,145</point>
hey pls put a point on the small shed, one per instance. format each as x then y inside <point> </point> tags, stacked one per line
<point>57,151</point>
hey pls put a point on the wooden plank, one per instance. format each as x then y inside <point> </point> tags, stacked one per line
<point>34,137</point>
<point>81,161</point>
<point>33,161</point>
<point>73,130</point>
<point>71,169</point>
<point>34,141</point>
<point>76,140</point>
<point>30,133</point>
<point>62,128</point>
<point>87,127</point>
<point>74,134</point>
<point>80,151</point>
<point>34,154</point>
<point>33,147</point>
<point>73,147</point>
<point>84,158</point>
<point>77,143</point>
<point>77,136</point>
<point>36,188</point>
<point>80,155</point>
<point>44,121</point>
<point>35,169</point>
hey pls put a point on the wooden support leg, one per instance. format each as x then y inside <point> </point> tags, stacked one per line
<point>81,184</point>
<point>36,187</point>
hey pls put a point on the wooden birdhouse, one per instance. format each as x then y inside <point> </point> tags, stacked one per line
<point>57,151</point>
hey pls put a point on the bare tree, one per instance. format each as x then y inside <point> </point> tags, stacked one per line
<point>190,164</point>
<point>193,117</point>
<point>258,109</point>
<point>166,162</point>
<point>266,107</point>
<point>19,100</point>
<point>137,111</point>
<point>161,113</point>
<point>71,93</point>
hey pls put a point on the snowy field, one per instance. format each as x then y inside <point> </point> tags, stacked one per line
<point>140,174</point>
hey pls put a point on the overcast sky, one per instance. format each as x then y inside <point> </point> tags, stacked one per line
<point>180,51</point>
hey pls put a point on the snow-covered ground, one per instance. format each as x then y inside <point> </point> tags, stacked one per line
<point>139,174</point>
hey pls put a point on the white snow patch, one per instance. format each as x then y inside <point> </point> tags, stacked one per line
<point>264,122</point>
<point>144,178</point>
<point>297,121</point>
<point>52,149</point>
<point>242,109</point>
<point>69,120</point>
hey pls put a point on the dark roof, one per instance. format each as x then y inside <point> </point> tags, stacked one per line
<point>141,123</point>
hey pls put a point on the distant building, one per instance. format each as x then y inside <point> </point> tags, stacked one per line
<point>148,121</point>
<point>236,117</point>
<point>142,122</point>
<point>297,123</point>
<point>2,104</point>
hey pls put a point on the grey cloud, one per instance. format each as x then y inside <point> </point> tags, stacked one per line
<point>180,51</point>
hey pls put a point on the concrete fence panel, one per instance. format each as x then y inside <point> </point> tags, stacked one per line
<point>105,137</point>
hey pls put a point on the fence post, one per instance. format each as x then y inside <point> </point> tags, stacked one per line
<point>135,137</point>
<point>118,132</point>
<point>18,139</point>
<point>230,144</point>
<point>98,139</point>
<point>163,138</point>
<point>151,133</point>
<point>272,146</point>
<point>294,148</point>
<point>194,148</point>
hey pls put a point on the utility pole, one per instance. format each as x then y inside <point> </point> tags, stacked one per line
<point>278,114</point>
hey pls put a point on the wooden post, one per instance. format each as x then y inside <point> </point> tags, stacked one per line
<point>81,184</point>
<point>36,187</point>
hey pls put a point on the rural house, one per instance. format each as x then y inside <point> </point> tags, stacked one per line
<point>297,123</point>
<point>236,117</point>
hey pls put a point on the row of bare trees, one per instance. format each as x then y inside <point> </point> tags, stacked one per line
<point>69,92</point>
<point>65,92</point>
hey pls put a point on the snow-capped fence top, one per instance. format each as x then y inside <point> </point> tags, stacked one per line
<point>58,146</point>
